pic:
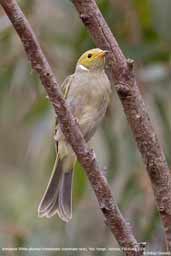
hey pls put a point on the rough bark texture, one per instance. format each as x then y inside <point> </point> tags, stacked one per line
<point>113,217</point>
<point>120,72</point>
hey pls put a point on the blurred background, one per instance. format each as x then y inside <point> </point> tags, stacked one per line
<point>27,121</point>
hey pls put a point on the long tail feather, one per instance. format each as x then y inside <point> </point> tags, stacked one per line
<point>52,189</point>
<point>67,193</point>
<point>63,203</point>
<point>58,195</point>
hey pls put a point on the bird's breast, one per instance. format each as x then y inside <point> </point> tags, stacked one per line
<point>89,95</point>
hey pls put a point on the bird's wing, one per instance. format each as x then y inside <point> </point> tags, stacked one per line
<point>65,86</point>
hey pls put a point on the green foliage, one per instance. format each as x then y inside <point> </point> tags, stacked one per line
<point>80,183</point>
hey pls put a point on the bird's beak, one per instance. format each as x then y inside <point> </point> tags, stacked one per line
<point>106,51</point>
<point>103,53</point>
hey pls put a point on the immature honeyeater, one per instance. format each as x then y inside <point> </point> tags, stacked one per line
<point>87,93</point>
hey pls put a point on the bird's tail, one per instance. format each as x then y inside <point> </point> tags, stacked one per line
<point>58,195</point>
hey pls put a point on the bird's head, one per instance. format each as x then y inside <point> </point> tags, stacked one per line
<point>93,59</point>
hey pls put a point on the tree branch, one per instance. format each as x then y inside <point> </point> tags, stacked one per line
<point>114,219</point>
<point>120,73</point>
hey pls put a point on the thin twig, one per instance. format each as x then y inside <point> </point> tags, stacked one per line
<point>113,217</point>
<point>120,73</point>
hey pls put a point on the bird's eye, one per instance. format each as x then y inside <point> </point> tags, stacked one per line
<point>89,55</point>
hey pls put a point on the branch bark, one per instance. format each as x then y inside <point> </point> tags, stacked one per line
<point>113,217</point>
<point>120,73</point>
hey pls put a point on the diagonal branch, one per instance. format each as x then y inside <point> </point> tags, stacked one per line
<point>114,219</point>
<point>120,72</point>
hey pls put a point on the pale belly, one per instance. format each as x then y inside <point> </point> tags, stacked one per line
<point>89,104</point>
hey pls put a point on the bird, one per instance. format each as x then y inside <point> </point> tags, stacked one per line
<point>87,93</point>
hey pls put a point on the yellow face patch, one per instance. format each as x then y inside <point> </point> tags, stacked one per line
<point>93,59</point>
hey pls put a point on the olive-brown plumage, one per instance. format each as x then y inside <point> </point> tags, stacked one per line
<point>87,93</point>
